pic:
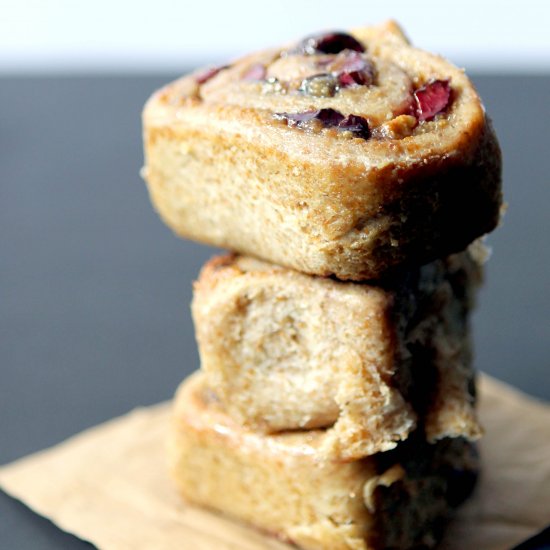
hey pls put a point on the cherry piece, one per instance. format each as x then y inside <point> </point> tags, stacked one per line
<point>354,78</point>
<point>432,99</point>
<point>331,42</point>
<point>356,125</point>
<point>330,118</point>
<point>351,68</point>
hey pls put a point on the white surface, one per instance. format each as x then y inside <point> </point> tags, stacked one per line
<point>161,35</point>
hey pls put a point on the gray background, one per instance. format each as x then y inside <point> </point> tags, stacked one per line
<point>95,290</point>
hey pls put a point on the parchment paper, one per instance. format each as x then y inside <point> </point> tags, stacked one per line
<point>108,485</point>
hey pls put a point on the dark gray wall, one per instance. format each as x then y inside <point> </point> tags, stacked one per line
<point>95,290</point>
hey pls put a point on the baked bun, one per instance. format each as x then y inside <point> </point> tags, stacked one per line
<point>282,485</point>
<point>284,351</point>
<point>345,155</point>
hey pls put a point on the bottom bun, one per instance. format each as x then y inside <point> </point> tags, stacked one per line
<point>284,486</point>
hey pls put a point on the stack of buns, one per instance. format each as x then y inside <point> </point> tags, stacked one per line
<point>350,175</point>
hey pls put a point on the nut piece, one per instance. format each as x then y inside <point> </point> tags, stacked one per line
<point>319,85</point>
<point>399,127</point>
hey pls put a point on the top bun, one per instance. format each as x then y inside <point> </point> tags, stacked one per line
<point>343,154</point>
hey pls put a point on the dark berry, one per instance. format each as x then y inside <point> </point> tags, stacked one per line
<point>255,72</point>
<point>354,78</point>
<point>330,118</point>
<point>351,69</point>
<point>357,125</point>
<point>332,42</point>
<point>432,99</point>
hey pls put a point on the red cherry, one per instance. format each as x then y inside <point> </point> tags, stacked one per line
<point>432,99</point>
<point>331,118</point>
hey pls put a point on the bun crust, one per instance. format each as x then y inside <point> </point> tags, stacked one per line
<point>285,351</point>
<point>282,485</point>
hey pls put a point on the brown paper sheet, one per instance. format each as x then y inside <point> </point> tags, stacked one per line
<point>108,485</point>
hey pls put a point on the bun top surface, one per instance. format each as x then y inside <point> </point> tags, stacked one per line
<point>390,104</point>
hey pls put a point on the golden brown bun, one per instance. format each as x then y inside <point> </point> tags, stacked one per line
<point>223,170</point>
<point>282,485</point>
<point>283,350</point>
